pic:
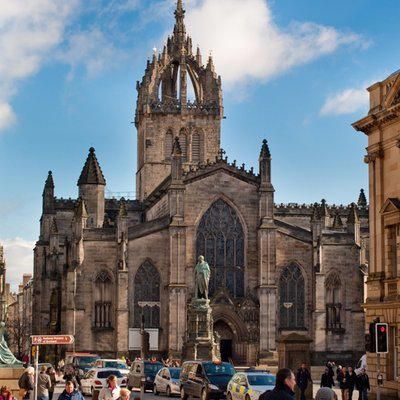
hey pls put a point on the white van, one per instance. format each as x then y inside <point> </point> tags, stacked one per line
<point>362,363</point>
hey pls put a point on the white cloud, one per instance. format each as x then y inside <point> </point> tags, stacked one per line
<point>18,254</point>
<point>29,30</point>
<point>347,101</point>
<point>91,50</point>
<point>248,45</point>
<point>7,116</point>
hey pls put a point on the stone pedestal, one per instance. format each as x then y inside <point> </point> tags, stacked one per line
<point>9,377</point>
<point>200,344</point>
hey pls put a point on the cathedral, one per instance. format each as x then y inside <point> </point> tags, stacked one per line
<point>100,264</point>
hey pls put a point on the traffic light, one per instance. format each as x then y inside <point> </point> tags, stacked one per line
<point>382,342</point>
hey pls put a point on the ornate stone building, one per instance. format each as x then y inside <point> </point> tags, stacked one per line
<point>382,126</point>
<point>101,263</point>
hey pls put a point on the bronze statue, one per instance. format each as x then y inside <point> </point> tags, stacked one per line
<point>202,278</point>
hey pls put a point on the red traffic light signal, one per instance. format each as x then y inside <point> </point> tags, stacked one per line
<point>381,338</point>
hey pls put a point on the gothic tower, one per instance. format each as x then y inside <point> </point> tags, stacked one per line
<point>164,112</point>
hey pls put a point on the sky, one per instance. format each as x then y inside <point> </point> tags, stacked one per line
<point>293,71</point>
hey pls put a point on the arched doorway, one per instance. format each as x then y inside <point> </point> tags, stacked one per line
<point>227,338</point>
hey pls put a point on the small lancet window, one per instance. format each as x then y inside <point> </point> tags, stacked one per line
<point>169,139</point>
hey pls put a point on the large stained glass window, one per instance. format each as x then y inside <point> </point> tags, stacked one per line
<point>291,298</point>
<point>220,239</point>
<point>147,296</point>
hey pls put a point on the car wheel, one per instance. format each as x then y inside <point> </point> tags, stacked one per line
<point>155,391</point>
<point>204,395</point>
<point>184,396</point>
<point>168,392</point>
<point>91,391</point>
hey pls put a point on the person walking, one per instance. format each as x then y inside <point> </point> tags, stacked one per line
<point>112,391</point>
<point>70,393</point>
<point>341,377</point>
<point>284,386</point>
<point>351,379</point>
<point>44,384</point>
<point>53,380</point>
<point>327,379</point>
<point>124,394</point>
<point>302,378</point>
<point>5,393</point>
<point>363,384</point>
<point>326,393</point>
<point>26,383</point>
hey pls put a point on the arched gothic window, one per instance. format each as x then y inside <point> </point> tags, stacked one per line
<point>196,152</point>
<point>183,144</point>
<point>333,303</point>
<point>220,239</point>
<point>169,139</point>
<point>292,298</point>
<point>55,311</point>
<point>103,300</point>
<point>147,296</point>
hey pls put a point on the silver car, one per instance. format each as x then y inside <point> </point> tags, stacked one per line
<point>167,381</point>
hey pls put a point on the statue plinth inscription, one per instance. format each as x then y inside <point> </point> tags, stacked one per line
<point>200,343</point>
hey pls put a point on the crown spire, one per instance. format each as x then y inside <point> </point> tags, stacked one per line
<point>180,29</point>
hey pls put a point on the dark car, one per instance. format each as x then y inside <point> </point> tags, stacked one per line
<point>205,379</point>
<point>147,369</point>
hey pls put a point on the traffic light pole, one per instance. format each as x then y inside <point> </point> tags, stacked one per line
<point>378,386</point>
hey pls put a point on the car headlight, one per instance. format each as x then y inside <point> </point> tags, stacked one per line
<point>213,387</point>
<point>148,379</point>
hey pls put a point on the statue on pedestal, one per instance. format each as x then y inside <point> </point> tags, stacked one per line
<point>202,279</point>
<point>7,358</point>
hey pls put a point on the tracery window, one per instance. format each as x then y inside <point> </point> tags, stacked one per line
<point>220,238</point>
<point>183,144</point>
<point>147,296</point>
<point>168,145</point>
<point>333,303</point>
<point>291,297</point>
<point>196,147</point>
<point>103,300</point>
<point>55,311</point>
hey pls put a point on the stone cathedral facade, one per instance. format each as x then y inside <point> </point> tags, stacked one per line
<point>100,264</point>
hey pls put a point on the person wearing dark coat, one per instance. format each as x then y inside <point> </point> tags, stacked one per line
<point>302,378</point>
<point>363,384</point>
<point>70,393</point>
<point>284,387</point>
<point>342,379</point>
<point>351,379</point>
<point>327,379</point>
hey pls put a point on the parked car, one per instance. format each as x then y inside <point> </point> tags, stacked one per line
<point>205,379</point>
<point>81,361</point>
<point>96,379</point>
<point>147,369</point>
<point>249,385</point>
<point>167,381</point>
<point>114,364</point>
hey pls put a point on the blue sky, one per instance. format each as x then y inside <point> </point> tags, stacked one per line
<point>293,71</point>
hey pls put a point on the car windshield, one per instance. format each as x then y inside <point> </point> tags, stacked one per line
<point>175,373</point>
<point>261,380</point>
<point>106,374</point>
<point>219,369</point>
<point>152,367</point>
<point>115,364</point>
<point>85,360</point>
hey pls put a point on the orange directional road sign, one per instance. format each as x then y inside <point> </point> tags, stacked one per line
<point>39,340</point>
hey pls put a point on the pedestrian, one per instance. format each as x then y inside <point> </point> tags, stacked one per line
<point>26,383</point>
<point>363,384</point>
<point>112,391</point>
<point>302,378</point>
<point>341,377</point>
<point>326,393</point>
<point>330,365</point>
<point>351,379</point>
<point>124,394</point>
<point>5,393</point>
<point>43,384</point>
<point>70,375</point>
<point>53,380</point>
<point>327,379</point>
<point>70,392</point>
<point>284,386</point>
